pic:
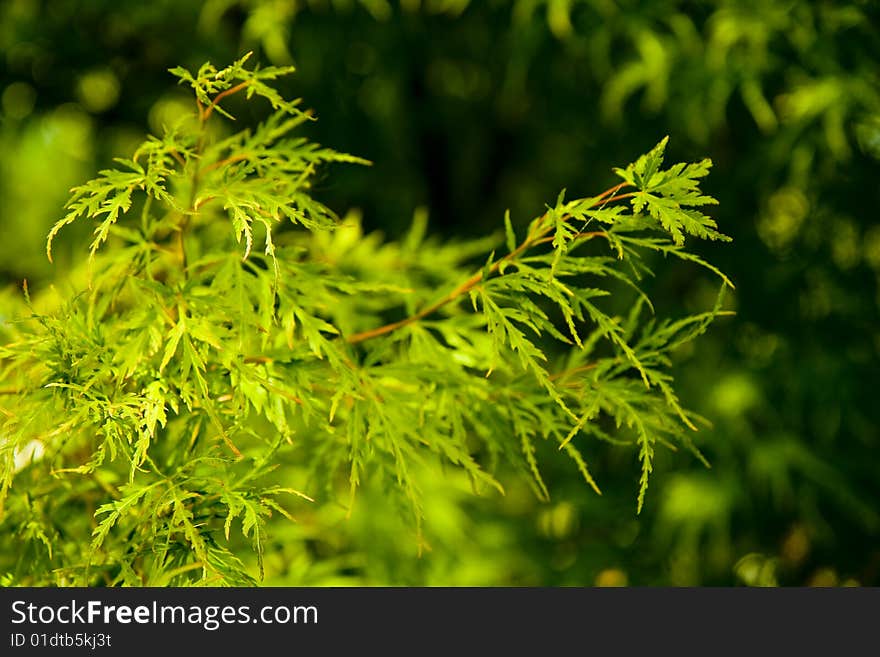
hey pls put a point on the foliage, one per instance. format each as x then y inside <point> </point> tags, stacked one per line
<point>235,353</point>
<point>469,108</point>
<point>783,95</point>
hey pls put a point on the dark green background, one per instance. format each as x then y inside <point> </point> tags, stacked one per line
<point>468,109</point>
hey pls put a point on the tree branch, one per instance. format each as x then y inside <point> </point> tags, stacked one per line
<point>538,238</point>
<point>221,96</point>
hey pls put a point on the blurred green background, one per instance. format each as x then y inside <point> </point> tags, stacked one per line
<point>467,108</point>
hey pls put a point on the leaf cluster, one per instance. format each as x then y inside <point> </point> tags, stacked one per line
<point>195,384</point>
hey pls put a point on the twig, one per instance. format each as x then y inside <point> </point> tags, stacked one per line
<point>473,281</point>
<point>221,96</point>
<point>229,160</point>
<point>595,233</point>
<point>573,370</point>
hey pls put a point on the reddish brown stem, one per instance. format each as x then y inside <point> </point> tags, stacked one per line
<point>595,233</point>
<point>573,370</point>
<point>473,281</point>
<point>221,96</point>
<point>612,190</point>
<point>619,197</point>
<point>177,157</point>
<point>229,160</point>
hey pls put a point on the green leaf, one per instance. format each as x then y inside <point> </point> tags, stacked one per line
<point>508,230</point>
